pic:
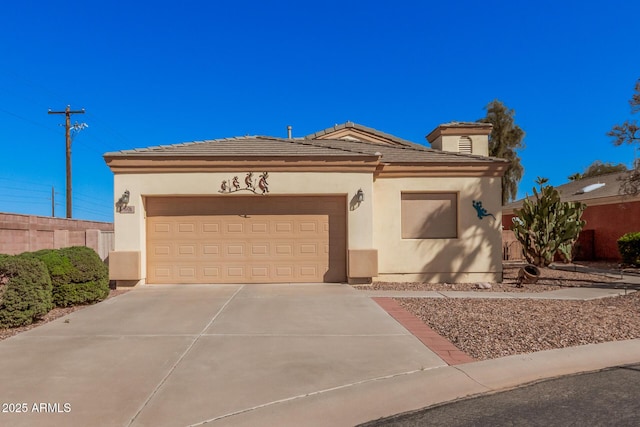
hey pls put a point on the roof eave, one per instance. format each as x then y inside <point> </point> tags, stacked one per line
<point>485,169</point>
<point>140,164</point>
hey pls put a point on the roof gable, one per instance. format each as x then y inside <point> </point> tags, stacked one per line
<point>354,132</point>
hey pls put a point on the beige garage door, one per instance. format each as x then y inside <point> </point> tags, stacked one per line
<point>258,239</point>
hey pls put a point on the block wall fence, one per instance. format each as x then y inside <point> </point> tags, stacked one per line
<point>29,233</point>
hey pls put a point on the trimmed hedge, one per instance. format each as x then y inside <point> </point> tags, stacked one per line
<point>629,248</point>
<point>25,291</point>
<point>78,275</point>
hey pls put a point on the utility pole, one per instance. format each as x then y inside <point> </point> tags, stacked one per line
<point>53,202</point>
<point>67,126</point>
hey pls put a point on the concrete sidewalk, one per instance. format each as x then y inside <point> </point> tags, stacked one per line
<point>253,355</point>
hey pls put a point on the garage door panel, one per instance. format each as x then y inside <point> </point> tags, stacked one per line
<point>186,228</point>
<point>282,228</point>
<point>211,273</point>
<point>210,227</point>
<point>236,272</point>
<point>162,227</point>
<point>188,250</point>
<point>234,227</point>
<point>187,272</point>
<point>283,249</point>
<point>309,271</point>
<point>236,240</point>
<point>307,249</point>
<point>235,250</point>
<point>260,272</point>
<point>211,250</point>
<point>261,249</point>
<point>284,272</point>
<point>261,227</point>
<point>162,271</point>
<point>161,250</point>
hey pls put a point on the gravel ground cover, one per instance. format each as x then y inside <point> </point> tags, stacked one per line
<point>492,328</point>
<point>550,279</point>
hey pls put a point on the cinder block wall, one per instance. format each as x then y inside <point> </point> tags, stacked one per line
<point>28,233</point>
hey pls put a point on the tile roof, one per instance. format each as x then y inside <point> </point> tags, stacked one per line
<point>574,191</point>
<point>263,146</point>
<point>248,146</point>
<point>413,154</point>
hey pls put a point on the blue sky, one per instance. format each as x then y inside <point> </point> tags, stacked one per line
<point>161,72</point>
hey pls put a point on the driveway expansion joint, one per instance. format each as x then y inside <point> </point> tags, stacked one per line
<point>182,356</point>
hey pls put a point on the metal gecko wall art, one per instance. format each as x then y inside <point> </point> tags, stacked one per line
<point>256,186</point>
<point>482,212</point>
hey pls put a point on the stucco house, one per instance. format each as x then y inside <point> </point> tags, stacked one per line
<point>345,204</point>
<point>609,214</point>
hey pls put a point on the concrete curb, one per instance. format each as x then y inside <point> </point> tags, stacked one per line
<point>405,392</point>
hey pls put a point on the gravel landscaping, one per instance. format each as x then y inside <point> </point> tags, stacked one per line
<point>550,279</point>
<point>492,328</point>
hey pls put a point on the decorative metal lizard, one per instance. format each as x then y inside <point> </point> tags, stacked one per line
<point>482,212</point>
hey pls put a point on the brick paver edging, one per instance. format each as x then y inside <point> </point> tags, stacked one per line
<point>448,352</point>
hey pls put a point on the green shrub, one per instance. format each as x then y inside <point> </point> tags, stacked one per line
<point>78,275</point>
<point>629,248</point>
<point>25,291</point>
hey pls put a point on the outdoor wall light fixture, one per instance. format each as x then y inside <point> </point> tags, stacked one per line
<point>123,201</point>
<point>360,196</point>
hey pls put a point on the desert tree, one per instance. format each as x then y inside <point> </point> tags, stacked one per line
<point>505,140</point>
<point>629,133</point>
<point>598,168</point>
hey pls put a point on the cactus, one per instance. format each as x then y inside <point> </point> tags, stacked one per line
<point>546,225</point>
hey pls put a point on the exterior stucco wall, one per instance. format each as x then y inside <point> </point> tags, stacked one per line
<point>130,229</point>
<point>475,255</point>
<point>479,144</point>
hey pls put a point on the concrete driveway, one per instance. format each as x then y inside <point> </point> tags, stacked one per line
<point>215,355</point>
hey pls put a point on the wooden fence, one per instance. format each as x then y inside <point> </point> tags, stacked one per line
<point>511,247</point>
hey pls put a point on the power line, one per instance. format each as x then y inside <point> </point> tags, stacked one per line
<point>67,126</point>
<point>30,121</point>
<point>23,189</point>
